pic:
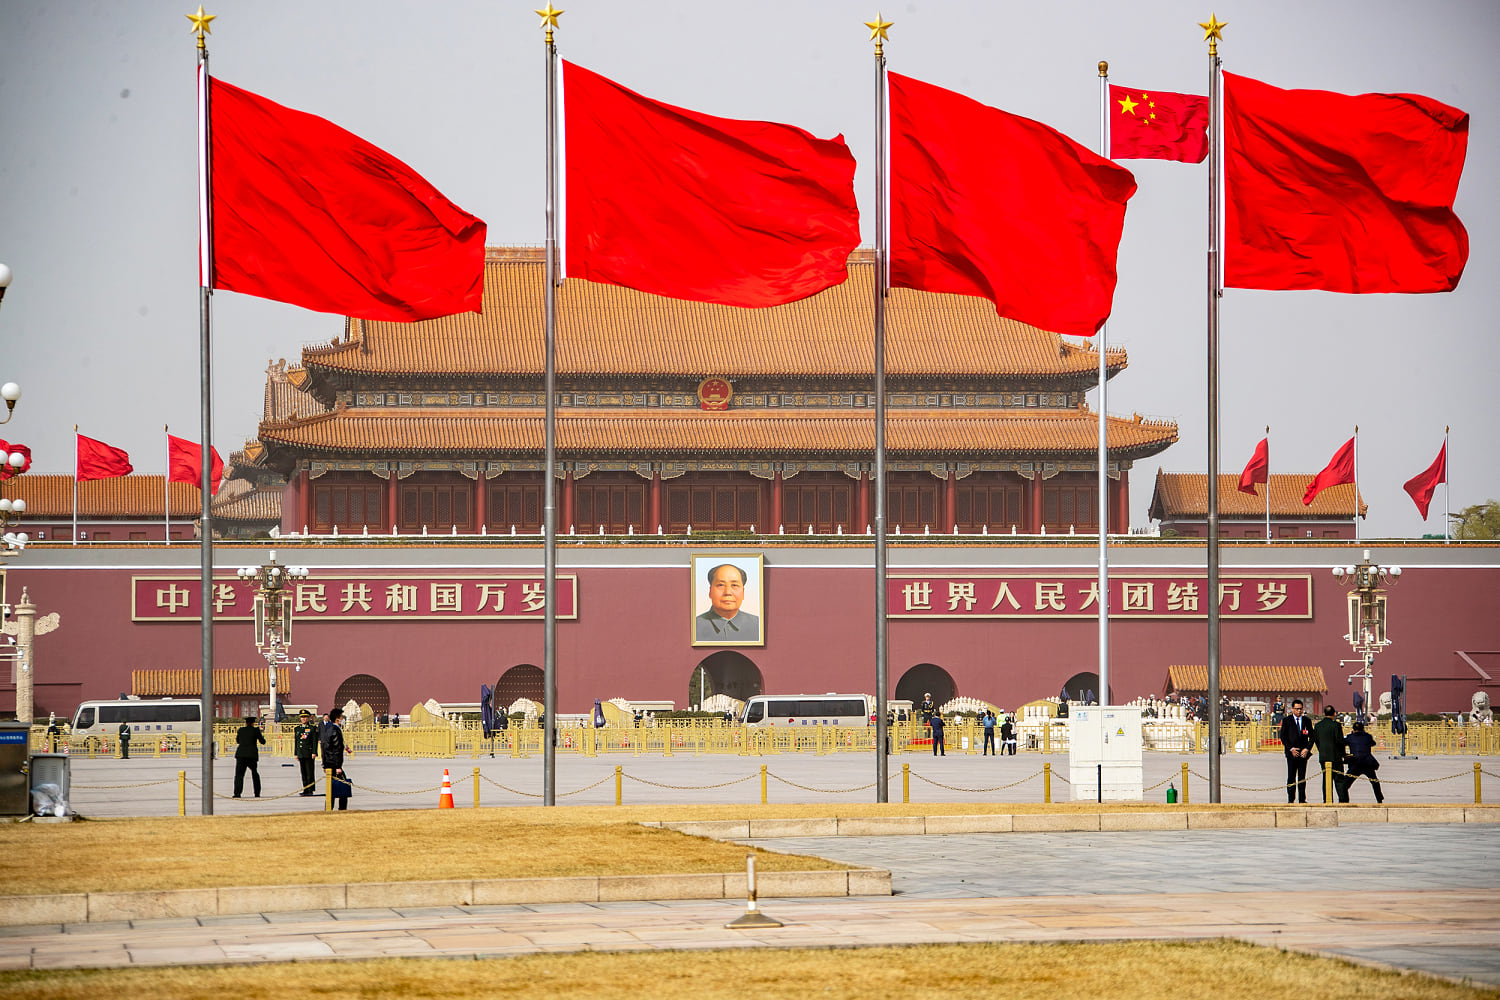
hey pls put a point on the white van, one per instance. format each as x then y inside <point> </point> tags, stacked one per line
<point>146,718</point>
<point>807,710</point>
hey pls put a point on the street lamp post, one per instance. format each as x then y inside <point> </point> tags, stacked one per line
<point>273,616</point>
<point>1367,620</point>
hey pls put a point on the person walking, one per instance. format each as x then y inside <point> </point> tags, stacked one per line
<point>989,734</point>
<point>333,755</point>
<point>1328,736</point>
<point>938,749</point>
<point>247,744</point>
<point>1296,743</point>
<point>1361,761</point>
<point>1008,736</point>
<point>124,741</point>
<point>305,740</point>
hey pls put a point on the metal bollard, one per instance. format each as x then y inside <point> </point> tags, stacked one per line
<point>619,791</point>
<point>1478,794</point>
<point>476,782</point>
<point>328,789</point>
<point>182,790</point>
<point>763,784</point>
<point>1327,780</point>
<point>1184,784</point>
<point>905,780</point>
<point>1046,781</point>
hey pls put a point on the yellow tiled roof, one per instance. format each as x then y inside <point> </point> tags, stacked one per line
<point>176,683</point>
<point>1185,495</point>
<point>1239,678</point>
<point>51,496</point>
<point>741,432</point>
<point>284,395</point>
<point>608,330</point>
<point>238,500</point>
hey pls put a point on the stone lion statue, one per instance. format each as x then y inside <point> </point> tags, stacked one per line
<point>1480,704</point>
<point>1385,705</point>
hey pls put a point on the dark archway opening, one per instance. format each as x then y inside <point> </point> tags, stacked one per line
<point>524,680</point>
<point>926,678</point>
<point>364,689</point>
<point>725,672</point>
<point>1083,687</point>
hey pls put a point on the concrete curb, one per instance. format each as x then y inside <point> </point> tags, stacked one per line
<point>95,907</point>
<point>1090,821</point>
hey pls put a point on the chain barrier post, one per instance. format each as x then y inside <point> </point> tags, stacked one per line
<point>328,789</point>
<point>1328,782</point>
<point>1184,783</point>
<point>763,784</point>
<point>476,788</point>
<point>619,790</point>
<point>182,789</point>
<point>1478,795</point>
<point>1047,782</point>
<point>905,783</point>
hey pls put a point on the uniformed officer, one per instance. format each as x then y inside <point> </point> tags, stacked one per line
<point>124,741</point>
<point>305,740</point>
<point>53,732</point>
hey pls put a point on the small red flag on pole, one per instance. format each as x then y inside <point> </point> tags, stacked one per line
<point>1339,470</point>
<point>1424,484</point>
<point>1259,468</point>
<point>1157,125</point>
<point>97,460</point>
<point>185,463</point>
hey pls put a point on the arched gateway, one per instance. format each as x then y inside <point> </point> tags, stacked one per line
<point>725,672</point>
<point>924,678</point>
<point>524,680</point>
<point>364,689</point>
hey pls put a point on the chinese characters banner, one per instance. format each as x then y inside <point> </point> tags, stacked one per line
<point>373,598</point>
<point>1183,595</point>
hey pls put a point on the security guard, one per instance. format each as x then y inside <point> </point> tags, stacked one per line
<point>305,740</point>
<point>124,741</point>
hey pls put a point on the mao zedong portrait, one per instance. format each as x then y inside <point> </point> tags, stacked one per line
<point>724,621</point>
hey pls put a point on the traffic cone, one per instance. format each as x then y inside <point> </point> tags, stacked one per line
<point>445,799</point>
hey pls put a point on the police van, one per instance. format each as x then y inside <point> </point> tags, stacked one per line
<point>807,710</point>
<point>158,717</point>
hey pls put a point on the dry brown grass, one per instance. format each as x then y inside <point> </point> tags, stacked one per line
<point>1224,970</point>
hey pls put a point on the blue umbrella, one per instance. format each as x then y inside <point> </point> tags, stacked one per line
<point>598,715</point>
<point>1398,705</point>
<point>486,711</point>
<point>1359,706</point>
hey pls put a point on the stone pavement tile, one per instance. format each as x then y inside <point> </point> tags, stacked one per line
<point>166,922</point>
<point>233,920</point>
<point>496,909</point>
<point>73,960</point>
<point>591,936</point>
<point>432,911</point>
<point>277,951</point>
<point>301,916</point>
<point>25,930</point>
<point>364,914</point>
<point>12,962</point>
<point>97,927</point>
<point>472,939</point>
<point>190,955</point>
<point>1076,921</point>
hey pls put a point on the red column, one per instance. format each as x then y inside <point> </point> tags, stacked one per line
<point>392,501</point>
<point>863,523</point>
<point>1034,522</point>
<point>775,524</point>
<point>568,497</point>
<point>481,501</point>
<point>655,522</point>
<point>950,515</point>
<point>1121,513</point>
<point>304,498</point>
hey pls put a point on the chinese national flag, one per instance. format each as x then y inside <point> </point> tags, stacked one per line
<point>1259,468</point>
<point>678,203</point>
<point>307,213</point>
<point>185,463</point>
<point>1341,193</point>
<point>992,204</point>
<point>97,460</point>
<point>1339,470</point>
<point>1424,484</point>
<point>1157,125</point>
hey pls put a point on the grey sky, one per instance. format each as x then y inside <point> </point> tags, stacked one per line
<point>98,209</point>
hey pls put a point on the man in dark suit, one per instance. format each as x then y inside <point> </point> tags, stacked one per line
<point>1328,735</point>
<point>247,744</point>
<point>1296,743</point>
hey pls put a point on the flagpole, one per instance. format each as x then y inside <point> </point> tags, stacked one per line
<point>1447,489</point>
<point>1268,484</point>
<point>1212,35</point>
<point>75,484</point>
<point>166,486</point>
<point>205,316</point>
<point>549,17</point>
<point>878,29</point>
<point>1356,483</point>
<point>1103,510</point>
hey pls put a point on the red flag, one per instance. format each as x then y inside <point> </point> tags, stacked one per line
<point>97,460</point>
<point>1424,484</point>
<point>185,462</point>
<point>991,204</point>
<point>1339,470</point>
<point>678,203</point>
<point>1341,193</point>
<point>1259,468</point>
<point>307,213</point>
<point>1157,125</point>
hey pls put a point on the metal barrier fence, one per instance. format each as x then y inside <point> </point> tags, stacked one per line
<point>715,737</point>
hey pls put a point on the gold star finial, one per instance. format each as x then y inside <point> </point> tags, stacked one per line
<point>549,16</point>
<point>200,24</point>
<point>878,29</point>
<point>1127,106</point>
<point>1213,32</point>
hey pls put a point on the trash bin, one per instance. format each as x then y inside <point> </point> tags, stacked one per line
<point>15,792</point>
<point>54,769</point>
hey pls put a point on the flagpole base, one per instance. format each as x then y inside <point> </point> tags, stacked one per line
<point>753,918</point>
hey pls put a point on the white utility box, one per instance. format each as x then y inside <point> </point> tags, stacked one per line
<point>1105,748</point>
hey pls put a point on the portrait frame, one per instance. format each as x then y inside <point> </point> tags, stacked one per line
<point>705,626</point>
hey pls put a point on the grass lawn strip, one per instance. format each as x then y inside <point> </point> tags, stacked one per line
<point>1224,970</point>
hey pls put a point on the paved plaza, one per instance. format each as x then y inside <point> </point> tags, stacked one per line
<point>148,787</point>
